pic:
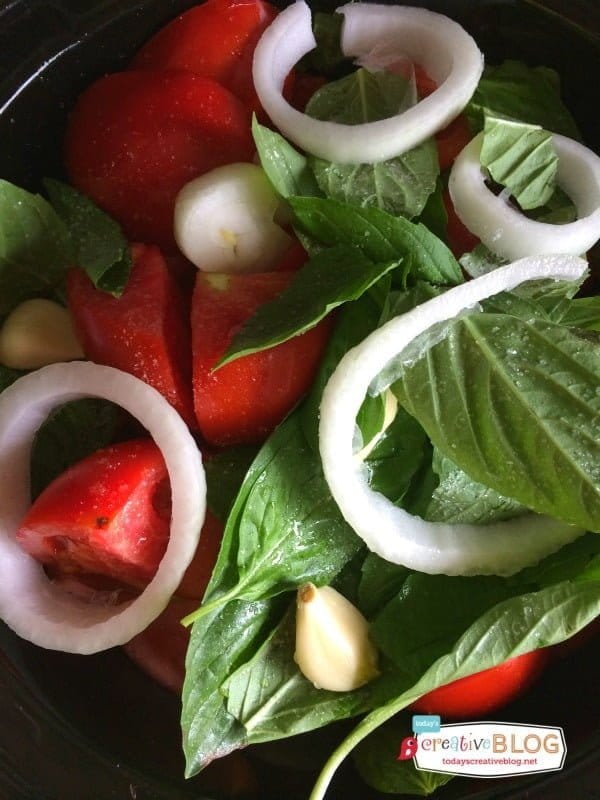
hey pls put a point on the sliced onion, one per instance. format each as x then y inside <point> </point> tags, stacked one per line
<point>500,548</point>
<point>446,51</point>
<point>30,604</point>
<point>508,232</point>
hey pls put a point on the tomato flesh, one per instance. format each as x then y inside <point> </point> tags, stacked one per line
<point>135,138</point>
<point>460,238</point>
<point>479,694</point>
<point>245,400</point>
<point>143,332</point>
<point>109,514</point>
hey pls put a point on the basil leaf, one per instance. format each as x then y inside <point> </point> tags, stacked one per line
<point>72,432</point>
<point>528,94</point>
<point>380,236</point>
<point>35,248</point>
<point>401,185</point>
<point>219,643</point>
<point>380,582</point>
<point>583,312</point>
<point>327,280</point>
<point>520,157</point>
<point>509,629</point>
<point>327,57</point>
<point>514,403</point>
<point>458,498</point>
<point>100,246</point>
<point>284,529</point>
<point>286,168</point>
<point>376,759</point>
<point>558,210</point>
<point>225,473</point>
<point>427,633</point>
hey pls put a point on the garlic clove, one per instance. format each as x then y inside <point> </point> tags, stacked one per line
<point>226,221</point>
<point>36,333</point>
<point>333,649</point>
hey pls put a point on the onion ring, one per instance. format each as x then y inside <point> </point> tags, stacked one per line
<point>29,603</point>
<point>445,49</point>
<point>509,233</point>
<point>500,548</point>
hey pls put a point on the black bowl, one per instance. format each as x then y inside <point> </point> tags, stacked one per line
<point>95,728</point>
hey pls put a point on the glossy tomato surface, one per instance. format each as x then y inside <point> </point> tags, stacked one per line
<point>94,727</point>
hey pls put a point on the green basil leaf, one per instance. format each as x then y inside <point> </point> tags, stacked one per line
<point>520,157</point>
<point>401,185</point>
<point>225,473</point>
<point>380,236</point>
<point>458,498</point>
<point>528,94</point>
<point>284,529</point>
<point>514,403</point>
<point>558,210</point>
<point>286,168</point>
<point>219,643</point>
<point>583,312</point>
<point>100,247</point>
<point>330,278</point>
<point>380,582</point>
<point>327,57</point>
<point>376,759</point>
<point>35,248</point>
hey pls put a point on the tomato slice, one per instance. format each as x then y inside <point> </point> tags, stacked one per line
<point>215,39</point>
<point>196,577</point>
<point>135,138</point>
<point>245,400</point>
<point>451,140</point>
<point>477,695</point>
<point>109,514</point>
<point>143,332</point>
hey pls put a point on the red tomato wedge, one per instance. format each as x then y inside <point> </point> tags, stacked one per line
<point>215,39</point>
<point>144,332</point>
<point>245,400</point>
<point>160,649</point>
<point>197,575</point>
<point>135,138</point>
<point>451,140</point>
<point>460,239</point>
<point>477,695</point>
<point>109,514</point>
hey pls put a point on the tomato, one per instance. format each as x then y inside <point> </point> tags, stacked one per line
<point>460,238</point>
<point>196,577</point>
<point>477,695</point>
<point>161,647</point>
<point>451,140</point>
<point>245,400</point>
<point>144,332</point>
<point>293,259</point>
<point>215,39</point>
<point>109,514</point>
<point>135,138</point>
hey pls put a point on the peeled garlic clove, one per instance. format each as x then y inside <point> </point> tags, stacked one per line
<point>36,333</point>
<point>224,221</point>
<point>333,649</point>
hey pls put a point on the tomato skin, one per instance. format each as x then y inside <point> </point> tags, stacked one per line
<point>245,400</point>
<point>161,647</point>
<point>460,238</point>
<point>135,138</point>
<point>477,695</point>
<point>197,575</point>
<point>109,514</point>
<point>215,39</point>
<point>143,332</point>
<point>451,140</point>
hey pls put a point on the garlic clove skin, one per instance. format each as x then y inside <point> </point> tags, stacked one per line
<point>333,649</point>
<point>36,333</point>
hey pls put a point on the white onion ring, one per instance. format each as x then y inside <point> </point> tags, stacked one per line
<point>508,232</point>
<point>445,49</point>
<point>29,603</point>
<point>500,548</point>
